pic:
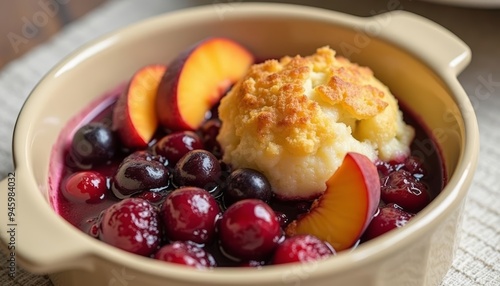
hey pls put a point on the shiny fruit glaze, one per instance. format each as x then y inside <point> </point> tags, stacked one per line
<point>132,225</point>
<point>147,176</point>
<point>249,230</point>
<point>201,232</point>
<point>301,248</point>
<point>190,214</point>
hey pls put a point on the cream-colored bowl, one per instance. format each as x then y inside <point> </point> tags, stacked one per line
<point>416,58</point>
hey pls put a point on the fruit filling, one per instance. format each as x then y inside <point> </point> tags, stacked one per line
<point>283,161</point>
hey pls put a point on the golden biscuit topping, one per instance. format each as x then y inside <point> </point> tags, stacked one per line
<point>349,85</point>
<point>295,118</point>
<point>272,98</point>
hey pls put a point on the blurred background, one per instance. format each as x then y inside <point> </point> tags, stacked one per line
<point>24,24</point>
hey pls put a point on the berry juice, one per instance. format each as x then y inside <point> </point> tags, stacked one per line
<point>424,168</point>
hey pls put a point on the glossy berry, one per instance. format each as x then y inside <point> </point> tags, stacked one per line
<point>246,183</point>
<point>415,166</point>
<point>186,254</point>
<point>176,145</point>
<point>131,225</point>
<point>402,188</point>
<point>249,230</point>
<point>190,213</point>
<point>385,168</point>
<point>85,186</point>
<point>198,168</point>
<point>388,217</point>
<point>412,164</point>
<point>301,248</point>
<point>145,155</point>
<point>151,196</point>
<point>92,144</point>
<point>282,218</point>
<point>208,133</point>
<point>138,173</point>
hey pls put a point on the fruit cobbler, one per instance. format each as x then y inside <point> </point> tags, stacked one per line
<point>215,159</point>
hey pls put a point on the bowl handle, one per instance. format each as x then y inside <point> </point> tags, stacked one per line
<point>437,46</point>
<point>34,243</point>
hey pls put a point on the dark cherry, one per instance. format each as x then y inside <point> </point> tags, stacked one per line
<point>151,196</point>
<point>145,155</point>
<point>388,217</point>
<point>138,173</point>
<point>249,230</point>
<point>412,164</point>
<point>92,144</point>
<point>85,187</point>
<point>402,188</point>
<point>385,168</point>
<point>175,145</point>
<point>415,166</point>
<point>186,254</point>
<point>131,225</point>
<point>245,183</point>
<point>190,214</point>
<point>198,168</point>
<point>208,133</point>
<point>301,248</point>
<point>282,218</point>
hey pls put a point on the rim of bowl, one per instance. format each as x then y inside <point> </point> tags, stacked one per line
<point>435,213</point>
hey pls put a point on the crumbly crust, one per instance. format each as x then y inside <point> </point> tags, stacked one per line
<point>301,109</point>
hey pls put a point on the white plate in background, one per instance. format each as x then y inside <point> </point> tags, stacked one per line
<point>470,3</point>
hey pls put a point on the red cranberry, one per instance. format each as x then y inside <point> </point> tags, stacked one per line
<point>198,168</point>
<point>249,230</point>
<point>247,183</point>
<point>402,188</point>
<point>92,144</point>
<point>411,164</point>
<point>152,197</point>
<point>301,248</point>
<point>176,145</point>
<point>415,166</point>
<point>131,225</point>
<point>186,254</point>
<point>387,218</point>
<point>85,186</point>
<point>137,174</point>
<point>190,213</point>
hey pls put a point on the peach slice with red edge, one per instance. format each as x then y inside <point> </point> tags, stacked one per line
<point>345,209</point>
<point>196,80</point>
<point>134,116</point>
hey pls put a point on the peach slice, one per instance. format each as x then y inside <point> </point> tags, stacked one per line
<point>197,79</point>
<point>134,116</point>
<point>344,210</point>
